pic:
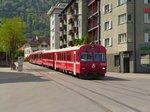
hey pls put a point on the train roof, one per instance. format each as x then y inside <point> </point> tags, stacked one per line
<point>64,49</point>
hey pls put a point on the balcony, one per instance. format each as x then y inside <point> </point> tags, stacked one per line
<point>64,45</point>
<point>64,17</point>
<point>71,21</point>
<point>61,19</point>
<point>71,10</point>
<point>71,43</point>
<point>71,32</point>
<point>91,2</point>
<point>61,38</point>
<point>64,37</point>
<point>61,28</point>
<point>64,27</point>
<point>75,29</point>
<point>75,6</point>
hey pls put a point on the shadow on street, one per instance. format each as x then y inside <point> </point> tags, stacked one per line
<point>108,78</point>
<point>12,77</point>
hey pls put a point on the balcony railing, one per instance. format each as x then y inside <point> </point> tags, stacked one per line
<point>75,6</point>
<point>64,37</point>
<point>71,21</point>
<point>61,28</point>
<point>71,43</point>
<point>71,10</point>
<point>61,19</point>
<point>75,29</point>
<point>71,32</point>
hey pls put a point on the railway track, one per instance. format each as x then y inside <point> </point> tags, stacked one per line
<point>77,92</point>
<point>106,109</point>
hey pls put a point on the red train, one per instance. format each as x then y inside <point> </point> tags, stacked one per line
<point>86,60</point>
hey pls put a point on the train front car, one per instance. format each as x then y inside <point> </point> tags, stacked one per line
<point>92,61</point>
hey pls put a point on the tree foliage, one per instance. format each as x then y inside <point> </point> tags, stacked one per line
<point>33,12</point>
<point>82,41</point>
<point>12,36</point>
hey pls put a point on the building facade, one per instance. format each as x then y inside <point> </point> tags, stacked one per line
<point>73,22</point>
<point>94,21</point>
<point>125,32</point>
<point>54,13</point>
<point>36,44</point>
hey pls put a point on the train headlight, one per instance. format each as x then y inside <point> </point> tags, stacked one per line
<point>103,68</point>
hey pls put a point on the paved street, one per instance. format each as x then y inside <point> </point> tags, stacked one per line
<point>39,89</point>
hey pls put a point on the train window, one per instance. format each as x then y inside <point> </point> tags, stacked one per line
<point>69,57</point>
<point>64,56</point>
<point>86,56</point>
<point>77,57</point>
<point>99,57</point>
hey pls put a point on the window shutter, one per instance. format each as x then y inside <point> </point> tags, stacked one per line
<point>110,41</point>
<point>145,18</point>
<point>110,7</point>
<point>103,42</point>
<point>146,37</point>
<point>103,10</point>
<point>110,24</point>
<point>145,1</point>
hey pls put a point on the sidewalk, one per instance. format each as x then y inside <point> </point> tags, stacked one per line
<point>112,74</point>
<point>129,75</point>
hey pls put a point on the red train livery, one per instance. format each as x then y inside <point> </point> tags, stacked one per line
<point>86,60</point>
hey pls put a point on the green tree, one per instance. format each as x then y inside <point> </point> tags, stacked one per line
<point>82,41</point>
<point>12,36</point>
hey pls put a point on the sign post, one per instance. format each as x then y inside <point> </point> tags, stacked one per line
<point>20,63</point>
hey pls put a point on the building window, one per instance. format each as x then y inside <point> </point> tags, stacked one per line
<point>122,18</point>
<point>117,60</point>
<point>147,37</point>
<point>147,18</point>
<point>107,8</point>
<point>130,17</point>
<point>108,42</point>
<point>122,38</point>
<point>108,25</point>
<point>122,2</point>
<point>145,60</point>
<point>146,1</point>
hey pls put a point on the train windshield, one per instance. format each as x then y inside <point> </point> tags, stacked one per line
<point>99,57</point>
<point>86,56</point>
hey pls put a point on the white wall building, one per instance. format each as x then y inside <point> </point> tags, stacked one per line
<point>35,44</point>
<point>54,13</point>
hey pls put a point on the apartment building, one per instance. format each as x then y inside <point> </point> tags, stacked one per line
<point>54,13</point>
<point>125,32</point>
<point>73,22</point>
<point>94,21</point>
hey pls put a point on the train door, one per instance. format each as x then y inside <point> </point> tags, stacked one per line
<point>75,63</point>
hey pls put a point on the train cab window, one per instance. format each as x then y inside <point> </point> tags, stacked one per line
<point>86,56</point>
<point>99,57</point>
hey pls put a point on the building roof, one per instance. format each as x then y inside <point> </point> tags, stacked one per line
<point>36,41</point>
<point>58,6</point>
<point>70,3</point>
